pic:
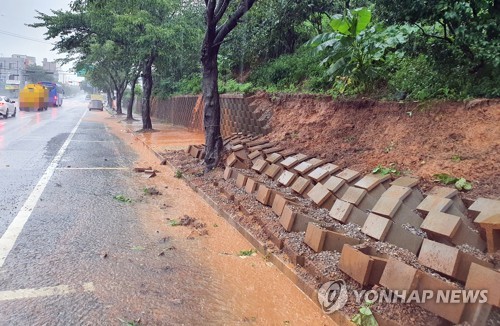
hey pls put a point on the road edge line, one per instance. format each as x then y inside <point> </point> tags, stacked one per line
<point>9,238</point>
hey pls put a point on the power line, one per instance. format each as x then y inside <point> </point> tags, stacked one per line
<point>23,37</point>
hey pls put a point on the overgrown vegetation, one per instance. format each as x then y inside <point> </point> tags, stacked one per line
<point>404,50</point>
<point>436,50</point>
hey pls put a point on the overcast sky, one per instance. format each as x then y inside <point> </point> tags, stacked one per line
<point>14,15</point>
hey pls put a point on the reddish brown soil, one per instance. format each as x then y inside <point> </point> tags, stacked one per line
<point>420,139</point>
<point>251,289</point>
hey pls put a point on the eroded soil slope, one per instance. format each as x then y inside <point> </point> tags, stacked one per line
<point>460,139</point>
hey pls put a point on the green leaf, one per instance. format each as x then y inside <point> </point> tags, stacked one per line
<point>445,178</point>
<point>122,199</point>
<point>462,184</point>
<point>340,24</point>
<point>370,321</point>
<point>247,253</point>
<point>364,16</point>
<point>335,69</point>
<point>365,311</point>
<point>174,223</point>
<point>356,319</point>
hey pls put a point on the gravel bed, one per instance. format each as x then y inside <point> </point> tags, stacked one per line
<point>261,221</point>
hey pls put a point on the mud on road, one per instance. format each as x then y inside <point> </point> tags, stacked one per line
<point>214,273</point>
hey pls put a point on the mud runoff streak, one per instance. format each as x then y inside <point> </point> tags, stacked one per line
<point>85,258</point>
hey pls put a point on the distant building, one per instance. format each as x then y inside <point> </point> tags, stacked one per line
<point>12,71</point>
<point>50,67</point>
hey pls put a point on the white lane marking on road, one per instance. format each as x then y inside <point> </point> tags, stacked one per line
<point>45,292</point>
<point>92,141</point>
<point>95,168</point>
<point>10,236</point>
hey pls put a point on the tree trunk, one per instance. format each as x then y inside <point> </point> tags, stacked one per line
<point>119,95</point>
<point>147,85</point>
<point>130,106</point>
<point>211,110</point>
<point>110,97</point>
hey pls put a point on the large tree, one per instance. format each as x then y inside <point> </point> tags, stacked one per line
<point>221,17</point>
<point>141,29</point>
<point>148,26</point>
<point>112,61</point>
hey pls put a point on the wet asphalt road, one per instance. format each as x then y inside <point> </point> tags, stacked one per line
<point>55,272</point>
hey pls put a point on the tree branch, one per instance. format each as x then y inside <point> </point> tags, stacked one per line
<point>221,42</point>
<point>210,12</point>
<point>221,9</point>
<point>231,23</point>
<point>447,39</point>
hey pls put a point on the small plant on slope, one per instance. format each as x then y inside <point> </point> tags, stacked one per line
<point>460,183</point>
<point>380,169</point>
<point>365,316</point>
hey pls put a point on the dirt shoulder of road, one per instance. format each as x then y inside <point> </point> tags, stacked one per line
<point>249,286</point>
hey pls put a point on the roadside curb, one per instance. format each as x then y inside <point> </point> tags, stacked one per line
<point>311,292</point>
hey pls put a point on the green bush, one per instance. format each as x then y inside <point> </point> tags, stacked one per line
<point>416,79</point>
<point>188,85</point>
<point>232,86</point>
<point>167,86</point>
<point>297,71</point>
<point>420,78</point>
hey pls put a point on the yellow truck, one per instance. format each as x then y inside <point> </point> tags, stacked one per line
<point>99,97</point>
<point>34,96</point>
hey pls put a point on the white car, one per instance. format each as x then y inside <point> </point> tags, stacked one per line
<point>7,107</point>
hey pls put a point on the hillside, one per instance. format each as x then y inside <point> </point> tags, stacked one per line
<point>460,139</point>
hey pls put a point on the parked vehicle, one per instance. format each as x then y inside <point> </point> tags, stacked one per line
<point>96,105</point>
<point>56,93</point>
<point>34,96</point>
<point>7,107</point>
